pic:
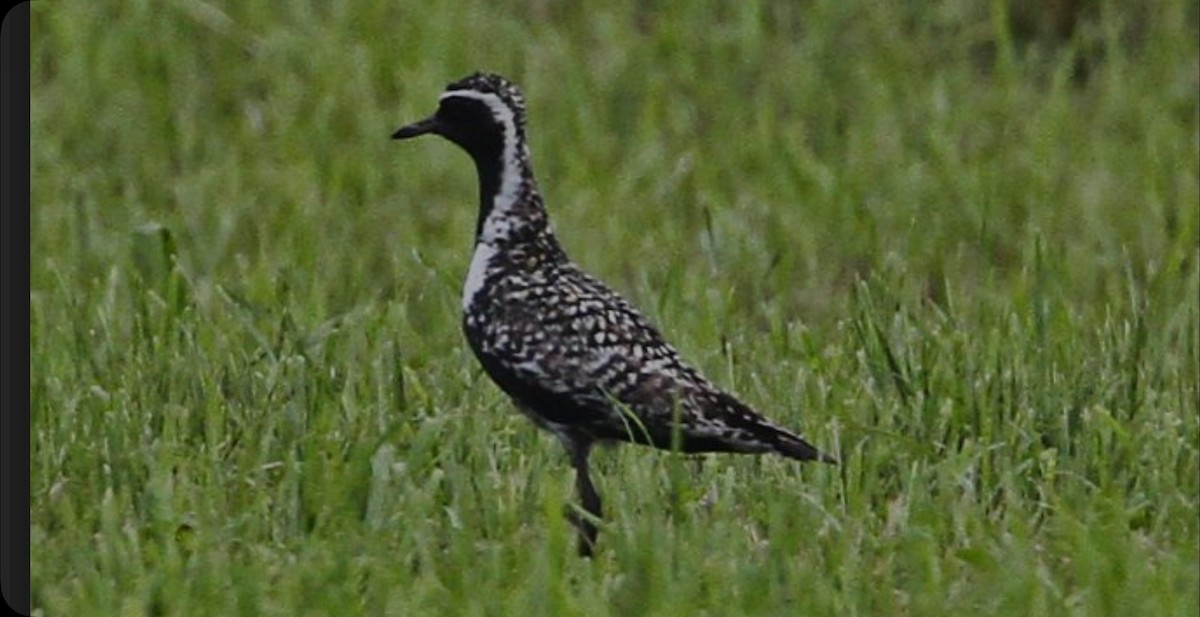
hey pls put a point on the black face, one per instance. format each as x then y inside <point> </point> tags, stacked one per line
<point>470,115</point>
<point>471,124</point>
<point>466,121</point>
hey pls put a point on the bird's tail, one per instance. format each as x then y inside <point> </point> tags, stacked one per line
<point>792,446</point>
<point>767,436</point>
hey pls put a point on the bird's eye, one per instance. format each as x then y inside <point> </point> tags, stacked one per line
<point>452,109</point>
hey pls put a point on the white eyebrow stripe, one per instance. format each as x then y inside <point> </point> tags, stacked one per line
<point>497,224</point>
<point>493,101</point>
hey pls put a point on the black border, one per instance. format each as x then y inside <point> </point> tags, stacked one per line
<point>14,326</point>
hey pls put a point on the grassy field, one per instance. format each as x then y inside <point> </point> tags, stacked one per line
<point>955,243</point>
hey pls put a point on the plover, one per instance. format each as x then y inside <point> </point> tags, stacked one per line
<point>572,354</point>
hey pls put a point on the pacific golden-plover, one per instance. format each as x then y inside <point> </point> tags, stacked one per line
<point>575,357</point>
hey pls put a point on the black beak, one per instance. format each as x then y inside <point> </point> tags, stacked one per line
<point>428,125</point>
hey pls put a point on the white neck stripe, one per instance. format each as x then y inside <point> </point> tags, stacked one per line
<point>481,260</point>
<point>497,225</point>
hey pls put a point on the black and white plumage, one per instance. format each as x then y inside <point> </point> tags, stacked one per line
<point>574,356</point>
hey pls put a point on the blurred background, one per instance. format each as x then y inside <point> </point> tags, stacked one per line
<point>783,148</point>
<point>953,242</point>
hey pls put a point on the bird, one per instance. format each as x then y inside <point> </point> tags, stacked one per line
<point>574,356</point>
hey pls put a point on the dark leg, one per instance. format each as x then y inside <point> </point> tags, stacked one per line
<point>589,498</point>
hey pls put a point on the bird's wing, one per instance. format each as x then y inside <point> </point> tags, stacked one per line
<point>588,359</point>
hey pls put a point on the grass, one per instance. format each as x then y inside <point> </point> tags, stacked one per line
<point>961,256</point>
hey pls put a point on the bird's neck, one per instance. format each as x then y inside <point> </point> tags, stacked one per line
<point>510,207</point>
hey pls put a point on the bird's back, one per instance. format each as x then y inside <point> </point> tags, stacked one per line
<point>575,355</point>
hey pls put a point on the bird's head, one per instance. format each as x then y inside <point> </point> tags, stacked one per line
<point>483,113</point>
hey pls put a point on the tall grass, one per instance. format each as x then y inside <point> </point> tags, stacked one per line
<point>961,255</point>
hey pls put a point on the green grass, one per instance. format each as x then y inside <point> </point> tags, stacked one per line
<point>961,257</point>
